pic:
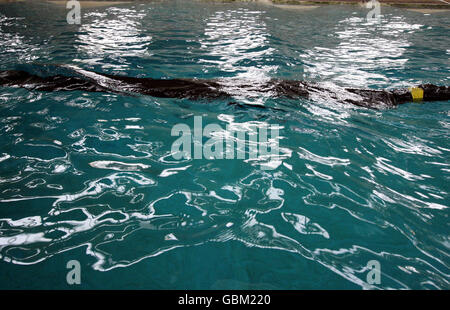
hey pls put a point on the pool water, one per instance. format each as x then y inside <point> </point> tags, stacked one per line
<point>91,176</point>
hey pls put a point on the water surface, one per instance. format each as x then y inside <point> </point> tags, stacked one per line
<point>90,176</point>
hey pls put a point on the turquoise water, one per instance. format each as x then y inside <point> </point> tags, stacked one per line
<point>90,176</point>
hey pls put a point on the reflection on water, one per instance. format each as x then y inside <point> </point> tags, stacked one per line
<point>237,42</point>
<point>114,34</point>
<point>91,176</point>
<point>13,43</point>
<point>368,53</point>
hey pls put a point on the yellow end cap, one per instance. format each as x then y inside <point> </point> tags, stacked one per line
<point>417,93</point>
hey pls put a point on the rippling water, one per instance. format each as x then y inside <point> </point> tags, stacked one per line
<point>90,176</point>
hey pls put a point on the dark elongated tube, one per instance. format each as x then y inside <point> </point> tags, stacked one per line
<point>212,89</point>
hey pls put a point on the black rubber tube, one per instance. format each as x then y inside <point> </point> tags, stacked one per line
<point>212,89</point>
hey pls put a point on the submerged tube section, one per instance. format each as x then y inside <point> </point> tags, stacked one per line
<point>197,89</point>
